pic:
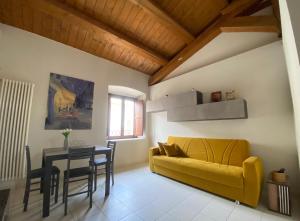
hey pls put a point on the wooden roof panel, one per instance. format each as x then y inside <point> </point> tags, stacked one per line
<point>75,36</point>
<point>151,36</point>
<point>194,15</point>
<point>129,18</point>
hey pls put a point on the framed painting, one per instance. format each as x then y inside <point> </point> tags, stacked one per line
<point>70,103</point>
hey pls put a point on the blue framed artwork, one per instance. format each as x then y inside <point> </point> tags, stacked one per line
<point>70,103</point>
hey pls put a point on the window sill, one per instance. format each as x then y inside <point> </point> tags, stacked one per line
<point>127,139</point>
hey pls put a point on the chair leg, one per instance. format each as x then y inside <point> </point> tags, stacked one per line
<point>66,198</point>
<point>26,194</point>
<point>91,190</point>
<point>95,179</point>
<point>52,183</point>
<point>88,190</point>
<point>112,175</point>
<point>57,187</point>
<point>25,191</point>
<point>41,185</point>
<point>64,191</point>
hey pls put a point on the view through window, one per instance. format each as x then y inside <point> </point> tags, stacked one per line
<point>125,117</point>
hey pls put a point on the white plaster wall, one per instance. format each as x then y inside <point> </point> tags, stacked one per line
<point>28,57</point>
<point>291,32</point>
<point>259,76</point>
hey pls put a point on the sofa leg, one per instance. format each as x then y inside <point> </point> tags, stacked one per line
<point>237,202</point>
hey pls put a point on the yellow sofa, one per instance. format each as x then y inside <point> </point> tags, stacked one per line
<point>220,166</point>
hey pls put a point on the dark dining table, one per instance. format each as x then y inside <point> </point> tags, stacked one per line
<point>53,154</point>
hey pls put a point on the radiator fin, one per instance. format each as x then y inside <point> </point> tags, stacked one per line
<point>15,108</point>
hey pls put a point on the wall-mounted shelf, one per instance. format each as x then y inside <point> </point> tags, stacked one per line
<point>233,109</point>
<point>189,107</point>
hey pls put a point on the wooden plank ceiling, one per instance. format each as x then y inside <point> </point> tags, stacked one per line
<point>151,36</point>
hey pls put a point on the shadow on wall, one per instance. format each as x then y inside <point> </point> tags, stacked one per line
<point>275,161</point>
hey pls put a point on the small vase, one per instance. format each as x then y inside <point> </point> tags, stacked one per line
<point>66,143</point>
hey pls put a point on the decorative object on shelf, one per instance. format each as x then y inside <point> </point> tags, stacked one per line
<point>66,132</point>
<point>70,103</point>
<point>280,176</point>
<point>279,192</point>
<point>189,106</point>
<point>216,96</point>
<point>230,95</point>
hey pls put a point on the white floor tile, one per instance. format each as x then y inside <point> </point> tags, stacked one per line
<point>202,217</point>
<point>275,217</point>
<point>139,195</point>
<point>218,209</point>
<point>132,217</point>
<point>189,208</point>
<point>244,213</point>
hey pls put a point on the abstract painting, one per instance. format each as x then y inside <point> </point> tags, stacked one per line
<point>70,103</point>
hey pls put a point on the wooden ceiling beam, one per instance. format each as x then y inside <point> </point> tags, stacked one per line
<point>238,6</point>
<point>256,7</point>
<point>165,19</point>
<point>251,24</point>
<point>232,10</point>
<point>74,16</point>
<point>204,38</point>
<point>276,12</point>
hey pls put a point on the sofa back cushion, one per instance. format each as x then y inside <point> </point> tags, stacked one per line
<point>224,151</point>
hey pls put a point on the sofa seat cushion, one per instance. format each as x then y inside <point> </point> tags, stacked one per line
<point>214,172</point>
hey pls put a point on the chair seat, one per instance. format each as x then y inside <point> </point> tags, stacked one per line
<point>77,172</point>
<point>38,173</point>
<point>100,161</point>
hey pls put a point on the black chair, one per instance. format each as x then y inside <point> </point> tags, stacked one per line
<point>39,173</point>
<point>102,162</point>
<point>80,173</point>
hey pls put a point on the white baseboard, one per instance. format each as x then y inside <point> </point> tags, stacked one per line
<point>11,184</point>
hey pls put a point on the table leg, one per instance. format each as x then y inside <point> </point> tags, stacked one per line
<point>46,187</point>
<point>107,179</point>
<point>42,179</point>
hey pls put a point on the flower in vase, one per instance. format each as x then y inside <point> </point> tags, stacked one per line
<point>66,132</point>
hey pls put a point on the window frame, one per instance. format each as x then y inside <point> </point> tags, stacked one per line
<point>123,98</point>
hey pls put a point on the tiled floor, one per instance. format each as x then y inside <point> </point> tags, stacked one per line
<point>140,195</point>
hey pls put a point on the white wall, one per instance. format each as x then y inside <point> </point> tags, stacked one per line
<point>260,77</point>
<point>293,7</point>
<point>291,32</point>
<point>28,57</point>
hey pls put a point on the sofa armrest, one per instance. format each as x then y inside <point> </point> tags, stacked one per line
<point>253,179</point>
<point>153,151</point>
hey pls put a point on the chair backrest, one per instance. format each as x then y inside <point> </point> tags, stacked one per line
<point>112,145</point>
<point>79,153</point>
<point>28,159</point>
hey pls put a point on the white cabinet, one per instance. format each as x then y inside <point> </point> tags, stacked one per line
<point>233,109</point>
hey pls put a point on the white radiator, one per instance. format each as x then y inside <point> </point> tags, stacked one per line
<point>15,106</point>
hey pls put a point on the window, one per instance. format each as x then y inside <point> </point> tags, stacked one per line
<point>125,117</point>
